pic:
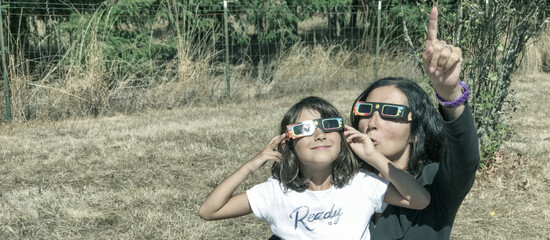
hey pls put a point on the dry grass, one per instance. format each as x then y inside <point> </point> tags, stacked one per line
<point>537,54</point>
<point>145,175</point>
<point>517,187</point>
<point>139,176</point>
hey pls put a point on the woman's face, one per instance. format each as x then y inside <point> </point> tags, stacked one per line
<point>318,149</point>
<point>390,137</point>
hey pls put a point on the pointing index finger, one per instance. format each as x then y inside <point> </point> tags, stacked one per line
<point>432,27</point>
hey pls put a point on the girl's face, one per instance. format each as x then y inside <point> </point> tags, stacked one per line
<point>318,149</point>
<point>390,137</point>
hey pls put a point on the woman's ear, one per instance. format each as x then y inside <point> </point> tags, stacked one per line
<point>413,139</point>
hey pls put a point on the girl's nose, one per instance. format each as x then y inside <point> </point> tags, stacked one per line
<point>319,135</point>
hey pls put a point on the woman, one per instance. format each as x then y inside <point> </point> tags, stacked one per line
<point>439,149</point>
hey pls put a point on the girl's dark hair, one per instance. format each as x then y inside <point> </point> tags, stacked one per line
<point>426,126</point>
<point>288,170</point>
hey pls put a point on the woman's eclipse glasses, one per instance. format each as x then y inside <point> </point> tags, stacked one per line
<point>386,110</point>
<point>307,128</point>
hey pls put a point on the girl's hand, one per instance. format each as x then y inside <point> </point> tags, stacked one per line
<point>268,153</point>
<point>360,143</point>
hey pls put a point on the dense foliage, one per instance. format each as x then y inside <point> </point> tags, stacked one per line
<point>142,38</point>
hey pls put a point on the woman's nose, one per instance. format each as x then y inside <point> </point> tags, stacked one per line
<point>374,121</point>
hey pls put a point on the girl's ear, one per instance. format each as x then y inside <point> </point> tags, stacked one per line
<point>286,144</point>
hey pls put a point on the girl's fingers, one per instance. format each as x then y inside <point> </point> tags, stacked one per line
<point>275,141</point>
<point>275,156</point>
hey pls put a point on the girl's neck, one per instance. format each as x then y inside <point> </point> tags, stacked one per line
<point>319,178</point>
<point>320,184</point>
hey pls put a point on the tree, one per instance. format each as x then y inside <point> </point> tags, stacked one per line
<point>495,36</point>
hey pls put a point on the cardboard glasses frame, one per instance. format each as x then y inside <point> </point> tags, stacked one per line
<point>307,128</point>
<point>386,110</point>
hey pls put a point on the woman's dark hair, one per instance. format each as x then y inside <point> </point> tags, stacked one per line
<point>288,170</point>
<point>426,126</point>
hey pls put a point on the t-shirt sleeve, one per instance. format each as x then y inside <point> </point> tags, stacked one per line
<point>377,191</point>
<point>259,197</point>
<point>381,210</point>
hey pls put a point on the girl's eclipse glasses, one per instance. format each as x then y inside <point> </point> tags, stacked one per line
<point>307,128</point>
<point>386,110</point>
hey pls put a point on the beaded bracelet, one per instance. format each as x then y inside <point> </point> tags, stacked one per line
<point>459,101</point>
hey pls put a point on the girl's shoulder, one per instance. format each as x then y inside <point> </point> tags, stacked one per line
<point>272,182</point>
<point>368,176</point>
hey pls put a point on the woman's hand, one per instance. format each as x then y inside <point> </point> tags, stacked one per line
<point>442,62</point>
<point>404,191</point>
<point>360,143</point>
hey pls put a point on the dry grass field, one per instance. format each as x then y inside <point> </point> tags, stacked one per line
<point>144,176</point>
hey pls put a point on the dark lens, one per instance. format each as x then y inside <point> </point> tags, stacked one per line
<point>365,108</point>
<point>330,124</point>
<point>390,110</point>
<point>299,129</point>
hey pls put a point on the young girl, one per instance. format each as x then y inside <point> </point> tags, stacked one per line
<point>317,190</point>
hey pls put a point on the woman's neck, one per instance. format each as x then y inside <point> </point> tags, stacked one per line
<point>402,160</point>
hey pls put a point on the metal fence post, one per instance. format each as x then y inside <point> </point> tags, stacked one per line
<point>487,8</point>
<point>227,72</point>
<point>377,42</point>
<point>4,68</point>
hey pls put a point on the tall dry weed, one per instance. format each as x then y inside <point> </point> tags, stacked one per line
<point>536,56</point>
<point>19,89</point>
<point>304,69</point>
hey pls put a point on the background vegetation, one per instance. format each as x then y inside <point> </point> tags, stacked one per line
<point>81,59</point>
<point>121,113</point>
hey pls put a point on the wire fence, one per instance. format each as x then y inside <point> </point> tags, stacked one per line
<point>42,31</point>
<point>266,35</point>
<point>46,38</point>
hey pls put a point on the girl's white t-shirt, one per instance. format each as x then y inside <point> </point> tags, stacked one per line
<point>336,213</point>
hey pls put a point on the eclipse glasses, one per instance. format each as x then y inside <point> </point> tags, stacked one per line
<point>307,128</point>
<point>385,110</point>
